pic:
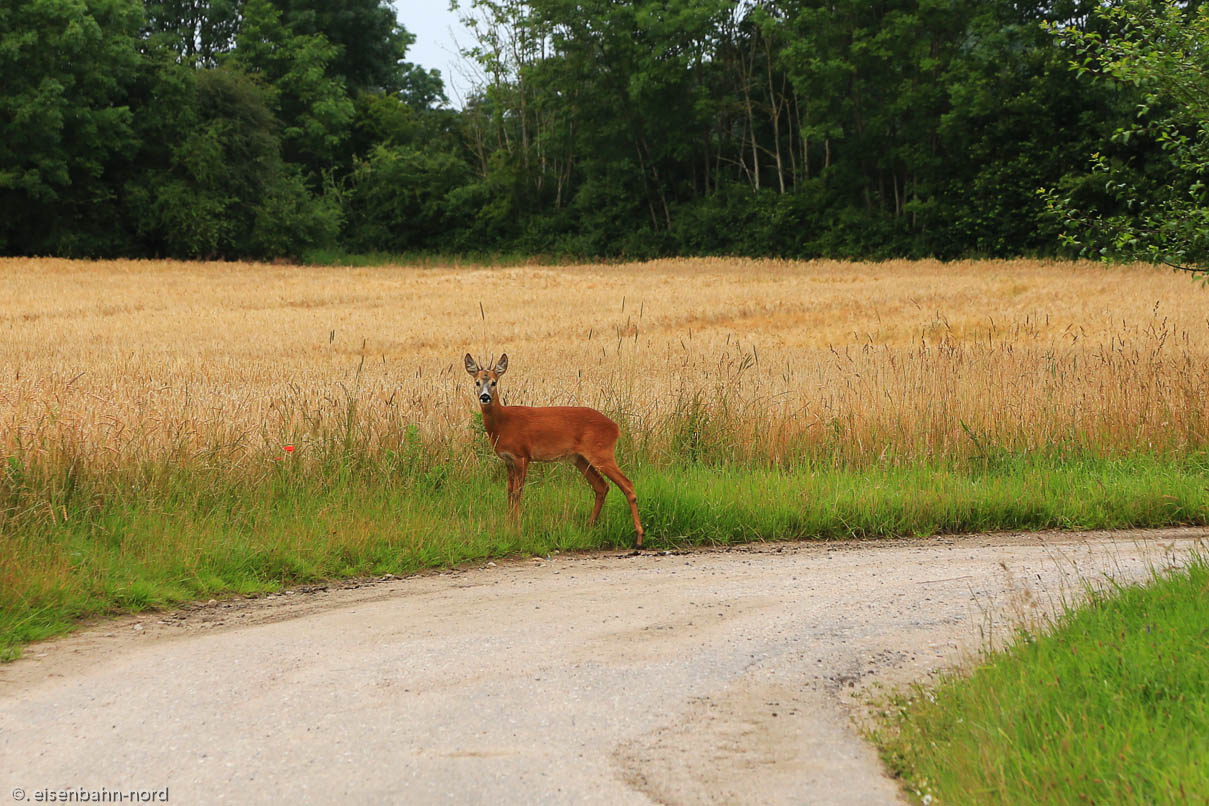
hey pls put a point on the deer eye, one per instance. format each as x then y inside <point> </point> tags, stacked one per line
<point>493,383</point>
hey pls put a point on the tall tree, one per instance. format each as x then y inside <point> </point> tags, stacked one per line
<point>372,46</point>
<point>1014,120</point>
<point>199,30</point>
<point>65,122</point>
<point>308,98</point>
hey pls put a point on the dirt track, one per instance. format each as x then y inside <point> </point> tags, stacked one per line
<point>707,677</point>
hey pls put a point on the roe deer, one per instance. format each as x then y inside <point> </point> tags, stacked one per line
<point>523,434</point>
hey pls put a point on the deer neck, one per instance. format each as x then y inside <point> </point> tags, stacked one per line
<point>493,416</point>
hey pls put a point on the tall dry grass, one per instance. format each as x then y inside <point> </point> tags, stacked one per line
<point>108,364</point>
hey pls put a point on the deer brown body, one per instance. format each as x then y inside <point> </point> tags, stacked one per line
<point>523,434</point>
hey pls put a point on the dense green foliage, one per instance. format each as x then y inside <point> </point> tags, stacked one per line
<point>1159,209</point>
<point>266,128</point>
<point>1111,706</point>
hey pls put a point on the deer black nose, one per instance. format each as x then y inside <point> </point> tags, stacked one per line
<point>485,398</point>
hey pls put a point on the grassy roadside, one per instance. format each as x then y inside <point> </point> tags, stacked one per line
<point>75,545</point>
<point>1109,706</point>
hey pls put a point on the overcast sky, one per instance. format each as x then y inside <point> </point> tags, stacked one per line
<point>438,34</point>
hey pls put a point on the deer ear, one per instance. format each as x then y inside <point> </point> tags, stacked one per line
<point>501,366</point>
<point>472,366</point>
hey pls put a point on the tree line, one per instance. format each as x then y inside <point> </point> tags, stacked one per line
<point>799,128</point>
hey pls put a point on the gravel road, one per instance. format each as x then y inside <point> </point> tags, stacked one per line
<point>715,676</point>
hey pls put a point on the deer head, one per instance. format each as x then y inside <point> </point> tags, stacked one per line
<point>485,380</point>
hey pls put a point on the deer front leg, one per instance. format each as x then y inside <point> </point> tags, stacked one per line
<point>510,483</point>
<point>520,468</point>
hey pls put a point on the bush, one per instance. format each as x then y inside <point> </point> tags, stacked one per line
<point>398,200</point>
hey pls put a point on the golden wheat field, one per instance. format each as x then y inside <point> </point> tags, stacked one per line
<point>119,361</point>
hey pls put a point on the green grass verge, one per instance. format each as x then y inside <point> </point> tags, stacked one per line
<point>163,535</point>
<point>1110,706</point>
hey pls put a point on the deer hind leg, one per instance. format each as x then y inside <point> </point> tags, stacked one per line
<point>609,468</point>
<point>598,484</point>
